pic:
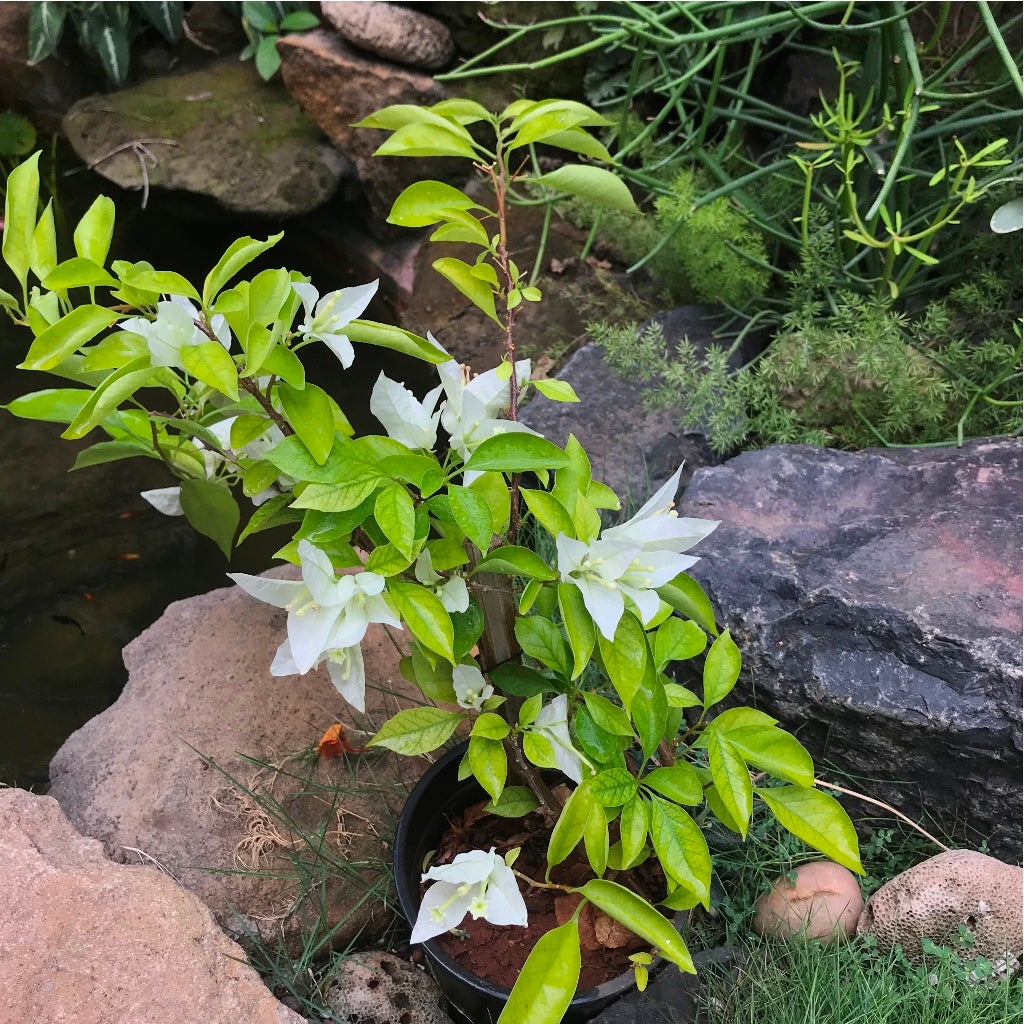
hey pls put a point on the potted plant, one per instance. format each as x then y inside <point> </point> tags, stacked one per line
<point>547,663</point>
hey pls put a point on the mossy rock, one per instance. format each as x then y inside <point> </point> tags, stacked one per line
<point>219,132</point>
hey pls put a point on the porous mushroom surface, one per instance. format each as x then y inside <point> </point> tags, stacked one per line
<point>380,988</point>
<point>938,896</point>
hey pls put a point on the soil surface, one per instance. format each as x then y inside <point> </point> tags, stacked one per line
<point>498,953</point>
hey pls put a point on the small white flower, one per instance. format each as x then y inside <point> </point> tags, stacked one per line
<point>326,318</point>
<point>452,593</point>
<point>328,616</point>
<point>471,689</point>
<point>174,329</point>
<point>474,408</point>
<point>476,883</point>
<point>632,560</point>
<point>408,421</point>
<point>553,723</point>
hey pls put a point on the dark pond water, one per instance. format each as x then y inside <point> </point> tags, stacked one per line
<point>85,563</point>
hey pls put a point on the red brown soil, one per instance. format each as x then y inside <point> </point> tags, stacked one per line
<point>497,953</point>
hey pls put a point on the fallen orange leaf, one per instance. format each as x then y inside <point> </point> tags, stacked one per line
<point>334,744</point>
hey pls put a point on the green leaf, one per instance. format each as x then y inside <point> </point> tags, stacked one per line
<point>427,140</point>
<point>721,669</point>
<point>681,848</point>
<point>268,60</point>
<point>540,638</point>
<point>625,658</point>
<point>428,202</point>
<point>299,21</point>
<point>210,363</point>
<point>417,730</point>
<point>309,411</point>
<point>679,782</point>
<point>161,282</point>
<point>677,640</point>
<point>473,515</point>
<point>166,16</point>
<point>575,140</point>
<point>54,405</point>
<point>818,819</point>
<point>45,25</point>
<point>609,716</point>
<point>594,184</point>
<point>111,451</point>
<point>211,511</point>
<point>520,681</point>
<point>684,593</point>
<point>548,980</point>
<point>602,747</point>
<point>579,627</point>
<point>396,516</point>
<point>514,802</point>
<point>613,788</point>
<point>426,617</point>
<point>549,512</point>
<point>369,332</point>
<point>732,781</point>
<point>111,45</point>
<point>633,824</point>
<point>21,205</point>
<point>633,911</point>
<point>44,243</point>
<point>556,390</point>
<point>516,561</point>
<point>118,386</point>
<point>488,763</point>
<point>595,840</point>
<point>95,230</point>
<point>77,272</point>
<point>462,277</point>
<point>571,824</point>
<point>774,750</point>
<point>649,708</point>
<point>271,513</point>
<point>516,452</point>
<point>239,254</point>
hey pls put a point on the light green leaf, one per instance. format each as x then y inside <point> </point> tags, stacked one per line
<point>594,184</point>
<point>161,282</point>
<point>579,627</point>
<point>774,750</point>
<point>625,657</point>
<point>77,272</point>
<point>473,515</point>
<point>210,363</point>
<point>211,511</point>
<point>633,824</point>
<point>556,390</point>
<point>684,593</point>
<point>54,405</point>
<point>595,840</point>
<point>548,980</point>
<point>417,730</point>
<point>679,782</point>
<point>549,512</point>
<point>516,561</point>
<point>21,205</point>
<point>575,140</point>
<point>732,780</point>
<point>117,387</point>
<point>44,244</point>
<point>94,231</point>
<point>721,669</point>
<point>540,638</point>
<point>633,911</point>
<point>516,452</point>
<point>428,202</point>
<point>309,411</point>
<point>571,824</point>
<point>396,517</point>
<point>369,332</point>
<point>428,140</point>
<point>426,617</point>
<point>609,716</point>
<point>681,848</point>
<point>515,802</point>
<point>613,788</point>
<point>238,255</point>
<point>818,819</point>
<point>489,764</point>
<point>677,640</point>
<point>462,277</point>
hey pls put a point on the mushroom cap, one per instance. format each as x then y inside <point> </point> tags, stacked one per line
<point>933,899</point>
<point>820,900</point>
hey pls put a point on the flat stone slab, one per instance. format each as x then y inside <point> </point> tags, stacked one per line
<point>206,765</point>
<point>876,596</point>
<point>87,941</point>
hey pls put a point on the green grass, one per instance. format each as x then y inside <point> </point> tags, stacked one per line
<point>810,983</point>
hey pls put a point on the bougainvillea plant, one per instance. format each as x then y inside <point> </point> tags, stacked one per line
<point>559,662</point>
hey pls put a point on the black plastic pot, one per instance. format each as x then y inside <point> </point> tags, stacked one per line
<point>437,798</point>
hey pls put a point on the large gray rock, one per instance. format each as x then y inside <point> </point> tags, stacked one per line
<point>151,777</point>
<point>86,941</point>
<point>631,449</point>
<point>219,132</point>
<point>391,31</point>
<point>876,597</point>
